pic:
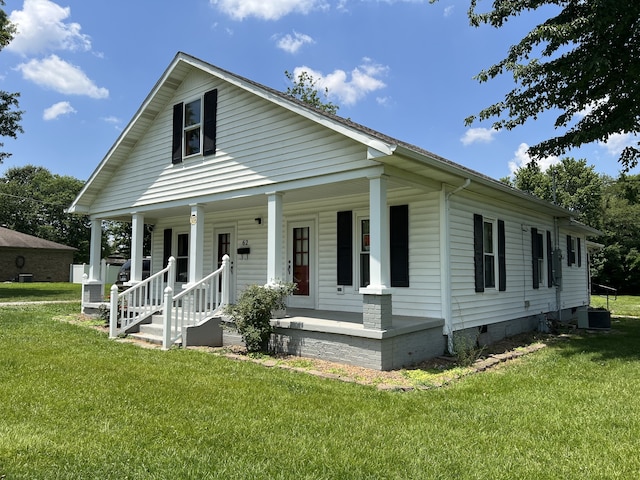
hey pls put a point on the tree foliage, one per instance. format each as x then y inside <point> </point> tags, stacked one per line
<point>305,88</point>
<point>618,264</point>
<point>571,183</point>
<point>10,116</point>
<point>33,201</point>
<point>583,63</point>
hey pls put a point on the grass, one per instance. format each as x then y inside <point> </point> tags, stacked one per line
<point>25,292</point>
<point>625,305</point>
<point>75,405</point>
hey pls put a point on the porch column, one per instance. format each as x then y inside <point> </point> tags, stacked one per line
<point>95,251</point>
<point>377,305</point>
<point>274,237</point>
<point>196,243</point>
<point>137,241</point>
<point>92,286</point>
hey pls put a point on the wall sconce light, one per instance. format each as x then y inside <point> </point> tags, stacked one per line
<point>258,220</point>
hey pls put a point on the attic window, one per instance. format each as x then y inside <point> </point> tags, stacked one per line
<point>194,127</point>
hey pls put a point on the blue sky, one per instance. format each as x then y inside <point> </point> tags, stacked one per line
<point>404,68</point>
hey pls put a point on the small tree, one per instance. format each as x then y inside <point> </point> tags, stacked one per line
<point>305,88</point>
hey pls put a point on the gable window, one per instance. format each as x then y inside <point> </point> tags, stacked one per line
<point>194,127</point>
<point>192,123</point>
<point>574,254</point>
<point>537,257</point>
<point>489,254</point>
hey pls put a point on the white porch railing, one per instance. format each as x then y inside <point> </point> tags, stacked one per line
<point>198,302</point>
<point>140,301</point>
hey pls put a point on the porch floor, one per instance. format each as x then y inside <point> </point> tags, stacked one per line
<point>350,323</point>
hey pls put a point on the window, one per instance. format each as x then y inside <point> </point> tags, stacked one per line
<point>574,254</point>
<point>364,251</point>
<point>194,127</point>
<point>537,257</point>
<point>489,254</point>
<point>347,236</point>
<point>192,124</point>
<point>182,258</point>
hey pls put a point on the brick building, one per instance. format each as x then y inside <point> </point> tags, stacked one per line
<point>28,258</point>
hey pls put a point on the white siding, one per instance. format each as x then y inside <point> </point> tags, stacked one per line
<point>258,144</point>
<point>421,299</point>
<point>520,299</point>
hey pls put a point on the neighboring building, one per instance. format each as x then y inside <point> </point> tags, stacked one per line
<point>31,259</point>
<point>411,245</point>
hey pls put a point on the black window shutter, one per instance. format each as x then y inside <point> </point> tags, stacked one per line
<point>399,245</point>
<point>166,246</point>
<point>569,251</point>
<point>345,248</point>
<point>534,257</point>
<point>176,147</point>
<point>549,261</point>
<point>502,257</point>
<point>579,252</point>
<point>209,123</point>
<point>478,252</point>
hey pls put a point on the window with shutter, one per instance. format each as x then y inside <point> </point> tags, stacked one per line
<point>194,127</point>
<point>489,254</point>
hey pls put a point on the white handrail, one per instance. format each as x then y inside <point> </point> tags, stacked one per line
<point>140,301</point>
<point>195,304</point>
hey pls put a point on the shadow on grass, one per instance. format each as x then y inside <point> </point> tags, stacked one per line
<point>620,342</point>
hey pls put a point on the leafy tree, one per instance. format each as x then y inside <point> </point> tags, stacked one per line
<point>570,183</point>
<point>305,88</point>
<point>33,201</point>
<point>618,264</point>
<point>9,115</point>
<point>587,71</point>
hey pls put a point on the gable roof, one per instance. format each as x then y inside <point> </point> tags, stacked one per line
<point>12,239</point>
<point>387,150</point>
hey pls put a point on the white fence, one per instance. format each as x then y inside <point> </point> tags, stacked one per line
<point>110,272</point>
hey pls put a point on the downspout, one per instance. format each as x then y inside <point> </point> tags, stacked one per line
<point>558,265</point>
<point>445,261</point>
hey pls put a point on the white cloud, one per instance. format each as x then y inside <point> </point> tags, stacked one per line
<point>58,75</point>
<point>58,109</point>
<point>522,159</point>
<point>41,27</point>
<point>293,43</point>
<point>364,79</point>
<point>478,135</point>
<point>448,11</point>
<point>617,142</point>
<point>266,9</point>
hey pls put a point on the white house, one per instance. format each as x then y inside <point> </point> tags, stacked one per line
<point>393,248</point>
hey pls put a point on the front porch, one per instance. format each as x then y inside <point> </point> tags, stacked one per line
<point>343,337</point>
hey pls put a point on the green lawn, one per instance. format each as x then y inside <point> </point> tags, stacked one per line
<point>25,292</point>
<point>75,405</point>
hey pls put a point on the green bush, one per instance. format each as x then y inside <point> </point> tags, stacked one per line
<point>253,311</point>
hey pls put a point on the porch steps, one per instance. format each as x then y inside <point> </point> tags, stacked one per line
<point>150,332</point>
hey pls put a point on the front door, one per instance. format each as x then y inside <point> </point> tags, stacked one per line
<point>225,241</point>
<point>301,263</point>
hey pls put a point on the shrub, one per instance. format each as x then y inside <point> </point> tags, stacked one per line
<point>253,311</point>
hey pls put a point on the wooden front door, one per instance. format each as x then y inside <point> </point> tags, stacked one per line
<point>300,264</point>
<point>225,241</point>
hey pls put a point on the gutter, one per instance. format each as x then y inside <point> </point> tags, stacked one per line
<point>445,262</point>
